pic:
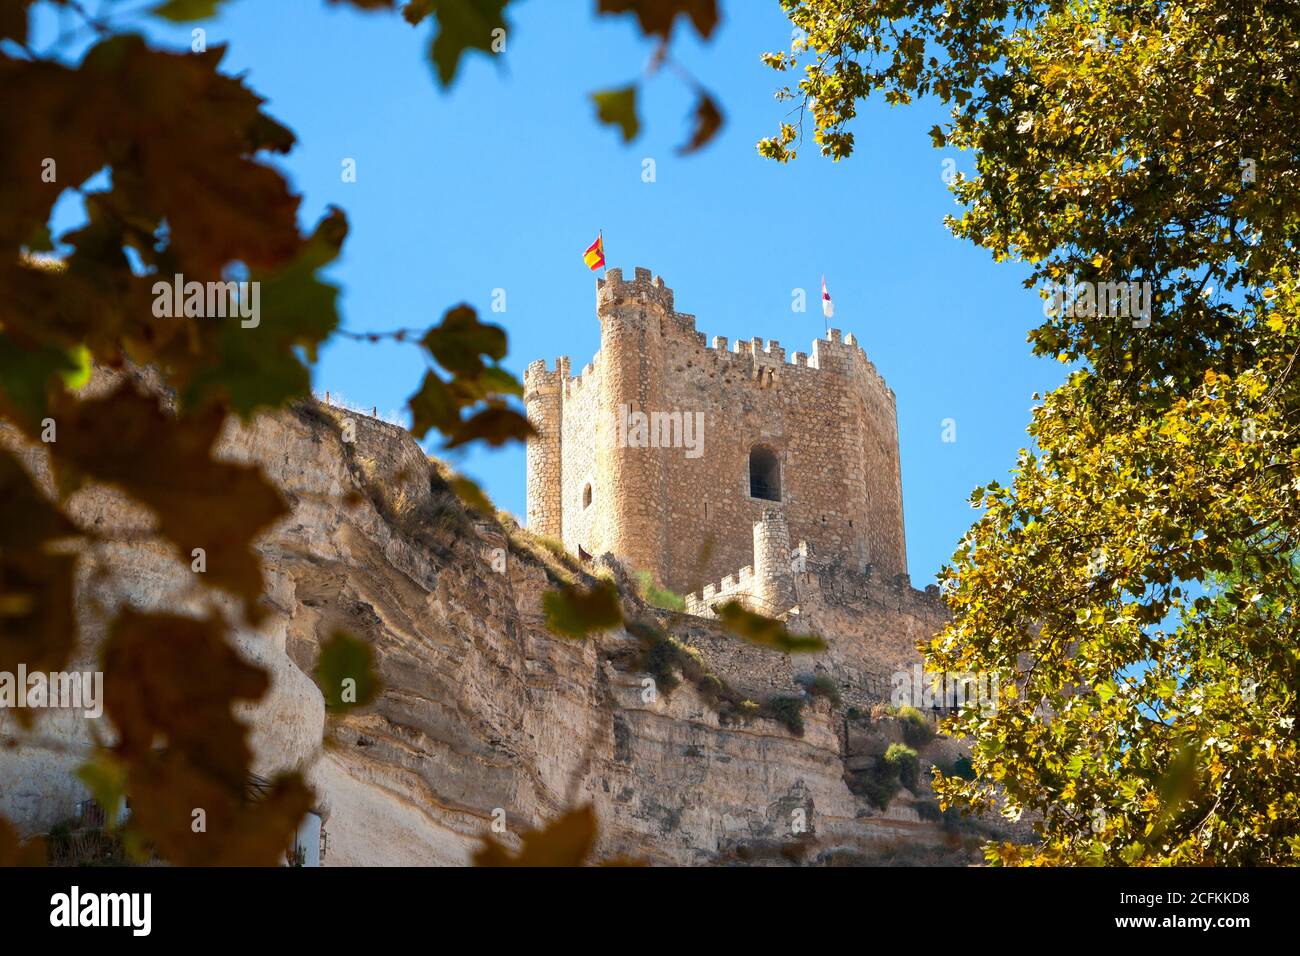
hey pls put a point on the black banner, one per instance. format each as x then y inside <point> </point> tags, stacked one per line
<point>338,906</point>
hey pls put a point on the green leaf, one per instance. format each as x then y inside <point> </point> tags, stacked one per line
<point>27,375</point>
<point>105,778</point>
<point>765,631</point>
<point>471,495</point>
<point>462,25</point>
<point>573,612</point>
<point>433,406</point>
<point>495,425</point>
<point>183,11</point>
<point>345,673</point>
<point>618,108</point>
<point>256,361</point>
<point>460,340</point>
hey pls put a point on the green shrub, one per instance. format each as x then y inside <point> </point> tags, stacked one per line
<point>821,685</point>
<point>711,686</point>
<point>656,596</point>
<point>748,709</point>
<point>904,760</point>
<point>878,784</point>
<point>917,730</point>
<point>690,658</point>
<point>787,711</point>
<point>661,663</point>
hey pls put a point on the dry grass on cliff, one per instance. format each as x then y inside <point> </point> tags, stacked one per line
<point>561,566</point>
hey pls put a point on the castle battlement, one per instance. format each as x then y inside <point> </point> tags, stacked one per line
<point>613,289</point>
<point>836,352</point>
<point>537,376</point>
<point>812,434</point>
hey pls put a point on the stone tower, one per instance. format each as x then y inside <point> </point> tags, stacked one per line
<point>692,461</point>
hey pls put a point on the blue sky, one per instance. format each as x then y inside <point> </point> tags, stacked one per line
<point>501,182</point>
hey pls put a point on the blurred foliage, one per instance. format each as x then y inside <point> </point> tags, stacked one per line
<point>1135,589</point>
<point>345,673</point>
<point>765,631</point>
<point>567,840</point>
<point>572,611</point>
<point>787,711</point>
<point>172,159</point>
<point>16,852</point>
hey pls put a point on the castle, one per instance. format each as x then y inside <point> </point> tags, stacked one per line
<point>717,469</point>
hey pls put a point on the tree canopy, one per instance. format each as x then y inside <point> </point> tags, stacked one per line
<point>1135,586</point>
<point>172,159</point>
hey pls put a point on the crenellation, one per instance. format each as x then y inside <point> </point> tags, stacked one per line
<point>825,421</point>
<point>613,290</point>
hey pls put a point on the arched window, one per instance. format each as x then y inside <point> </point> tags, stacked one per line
<point>586,496</point>
<point>764,474</point>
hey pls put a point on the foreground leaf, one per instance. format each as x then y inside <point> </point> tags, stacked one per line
<point>345,673</point>
<point>566,841</point>
<point>573,612</point>
<point>618,108</point>
<point>125,439</point>
<point>765,631</point>
<point>708,120</point>
<point>174,680</point>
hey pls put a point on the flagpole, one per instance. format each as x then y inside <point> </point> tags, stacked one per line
<point>826,319</point>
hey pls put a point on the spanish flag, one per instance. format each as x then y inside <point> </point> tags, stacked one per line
<point>594,257</point>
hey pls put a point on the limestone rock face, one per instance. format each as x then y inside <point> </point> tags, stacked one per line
<point>483,712</point>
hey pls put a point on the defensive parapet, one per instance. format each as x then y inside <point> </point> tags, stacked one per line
<point>767,585</point>
<point>822,423</point>
<point>613,291</point>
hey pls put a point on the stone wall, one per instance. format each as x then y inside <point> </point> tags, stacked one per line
<point>482,709</point>
<point>829,418</point>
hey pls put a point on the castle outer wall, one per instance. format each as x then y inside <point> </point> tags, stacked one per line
<point>828,417</point>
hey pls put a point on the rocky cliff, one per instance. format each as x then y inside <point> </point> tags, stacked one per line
<point>483,713</point>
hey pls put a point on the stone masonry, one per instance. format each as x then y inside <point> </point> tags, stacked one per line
<point>699,463</point>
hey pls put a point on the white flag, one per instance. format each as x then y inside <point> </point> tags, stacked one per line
<point>828,308</point>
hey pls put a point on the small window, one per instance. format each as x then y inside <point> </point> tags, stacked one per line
<point>586,496</point>
<point>764,474</point>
